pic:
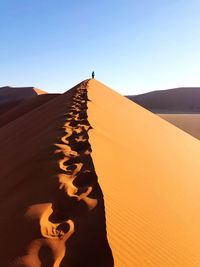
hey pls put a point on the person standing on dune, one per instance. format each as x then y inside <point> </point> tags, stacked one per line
<point>93,75</point>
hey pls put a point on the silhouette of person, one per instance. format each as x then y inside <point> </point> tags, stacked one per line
<point>93,75</point>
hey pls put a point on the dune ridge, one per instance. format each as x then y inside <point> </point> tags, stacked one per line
<point>25,107</point>
<point>56,203</point>
<point>78,151</point>
<point>10,97</point>
<point>148,170</point>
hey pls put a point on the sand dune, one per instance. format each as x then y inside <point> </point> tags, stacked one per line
<point>148,171</point>
<point>51,203</point>
<point>12,96</point>
<point>84,182</point>
<point>25,107</point>
<point>189,123</point>
<point>184,99</point>
<point>179,106</point>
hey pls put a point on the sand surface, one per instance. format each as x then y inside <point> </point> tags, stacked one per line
<point>148,171</point>
<point>12,96</point>
<point>189,123</point>
<point>25,107</point>
<point>50,201</point>
<point>84,182</point>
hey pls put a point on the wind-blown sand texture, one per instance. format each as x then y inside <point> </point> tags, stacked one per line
<point>183,99</point>
<point>84,182</point>
<point>189,123</point>
<point>12,96</point>
<point>148,171</point>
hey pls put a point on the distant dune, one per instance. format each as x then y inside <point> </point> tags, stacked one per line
<point>179,106</point>
<point>189,123</point>
<point>12,96</point>
<point>86,183</point>
<point>185,99</point>
<point>25,107</point>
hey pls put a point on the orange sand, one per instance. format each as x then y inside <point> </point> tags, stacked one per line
<point>38,91</point>
<point>50,200</point>
<point>148,171</point>
<point>63,159</point>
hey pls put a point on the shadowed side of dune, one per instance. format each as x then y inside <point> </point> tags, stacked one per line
<point>50,197</point>
<point>25,107</point>
<point>10,97</point>
<point>88,245</point>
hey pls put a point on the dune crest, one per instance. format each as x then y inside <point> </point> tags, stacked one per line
<point>78,151</point>
<point>11,97</point>
<point>75,151</point>
<point>51,191</point>
<point>148,171</point>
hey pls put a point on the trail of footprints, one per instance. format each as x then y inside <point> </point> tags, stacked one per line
<point>77,175</point>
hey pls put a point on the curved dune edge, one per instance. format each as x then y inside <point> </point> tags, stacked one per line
<point>148,171</point>
<point>25,107</point>
<point>52,192</point>
<point>176,100</point>
<point>39,91</point>
<point>190,123</point>
<point>10,97</point>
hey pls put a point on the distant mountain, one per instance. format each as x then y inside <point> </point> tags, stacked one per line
<point>183,99</point>
<point>12,96</point>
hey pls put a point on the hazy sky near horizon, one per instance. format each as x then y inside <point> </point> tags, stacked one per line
<point>134,46</point>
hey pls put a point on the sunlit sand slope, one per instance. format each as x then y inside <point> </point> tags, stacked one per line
<point>149,173</point>
<point>51,205</point>
<point>189,123</point>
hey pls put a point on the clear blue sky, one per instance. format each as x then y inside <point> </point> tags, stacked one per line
<point>134,46</point>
